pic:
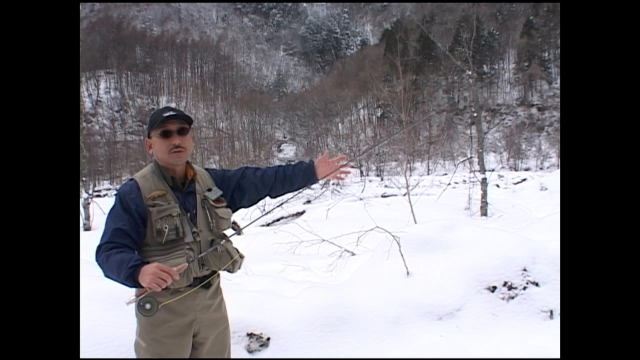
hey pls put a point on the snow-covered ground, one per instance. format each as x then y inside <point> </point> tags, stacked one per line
<point>333,282</point>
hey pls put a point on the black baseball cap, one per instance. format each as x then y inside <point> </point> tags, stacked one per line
<point>167,113</point>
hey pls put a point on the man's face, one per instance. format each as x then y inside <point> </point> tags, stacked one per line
<point>171,143</point>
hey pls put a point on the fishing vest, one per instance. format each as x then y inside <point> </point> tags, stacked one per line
<point>172,239</point>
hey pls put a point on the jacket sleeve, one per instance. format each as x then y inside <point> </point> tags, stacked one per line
<point>123,234</point>
<point>246,186</point>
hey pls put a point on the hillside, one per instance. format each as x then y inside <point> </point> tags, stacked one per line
<point>262,77</point>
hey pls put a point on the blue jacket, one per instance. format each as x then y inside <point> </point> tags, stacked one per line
<point>125,226</point>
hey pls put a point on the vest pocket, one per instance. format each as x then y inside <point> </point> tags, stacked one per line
<point>166,222</point>
<point>223,218</point>
<point>226,258</point>
<point>218,213</point>
<point>173,260</point>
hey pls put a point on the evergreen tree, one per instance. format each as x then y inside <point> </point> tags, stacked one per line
<point>397,47</point>
<point>279,86</point>
<point>530,47</point>
<point>326,40</point>
<point>429,57</point>
<point>473,42</point>
<point>485,50</point>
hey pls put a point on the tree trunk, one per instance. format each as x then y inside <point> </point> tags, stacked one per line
<point>484,188</point>
<point>476,115</point>
<point>88,214</point>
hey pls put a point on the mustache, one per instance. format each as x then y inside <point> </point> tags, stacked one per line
<point>177,147</point>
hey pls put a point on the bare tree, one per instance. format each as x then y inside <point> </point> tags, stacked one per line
<point>463,56</point>
<point>401,95</point>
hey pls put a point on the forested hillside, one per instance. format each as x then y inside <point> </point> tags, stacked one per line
<point>471,80</point>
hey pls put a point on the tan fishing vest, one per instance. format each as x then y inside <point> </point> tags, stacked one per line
<point>172,239</point>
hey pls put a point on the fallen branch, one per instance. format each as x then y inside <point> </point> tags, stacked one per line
<point>308,201</point>
<point>520,181</point>
<point>290,216</point>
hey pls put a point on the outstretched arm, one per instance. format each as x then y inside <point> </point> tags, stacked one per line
<point>331,169</point>
<point>246,186</point>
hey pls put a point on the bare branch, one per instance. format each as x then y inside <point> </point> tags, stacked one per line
<point>342,251</point>
<point>454,172</point>
<point>394,238</point>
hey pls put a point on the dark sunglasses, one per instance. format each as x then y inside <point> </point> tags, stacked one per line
<point>168,134</point>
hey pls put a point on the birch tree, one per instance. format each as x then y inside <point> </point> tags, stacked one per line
<point>470,53</point>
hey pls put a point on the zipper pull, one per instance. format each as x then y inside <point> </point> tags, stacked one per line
<point>166,231</point>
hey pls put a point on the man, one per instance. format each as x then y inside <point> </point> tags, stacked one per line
<point>172,215</point>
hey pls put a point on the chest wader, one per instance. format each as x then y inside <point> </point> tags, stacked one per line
<point>172,239</point>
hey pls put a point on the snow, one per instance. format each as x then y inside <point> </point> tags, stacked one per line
<point>301,286</point>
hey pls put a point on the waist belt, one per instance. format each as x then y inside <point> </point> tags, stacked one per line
<point>199,280</point>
